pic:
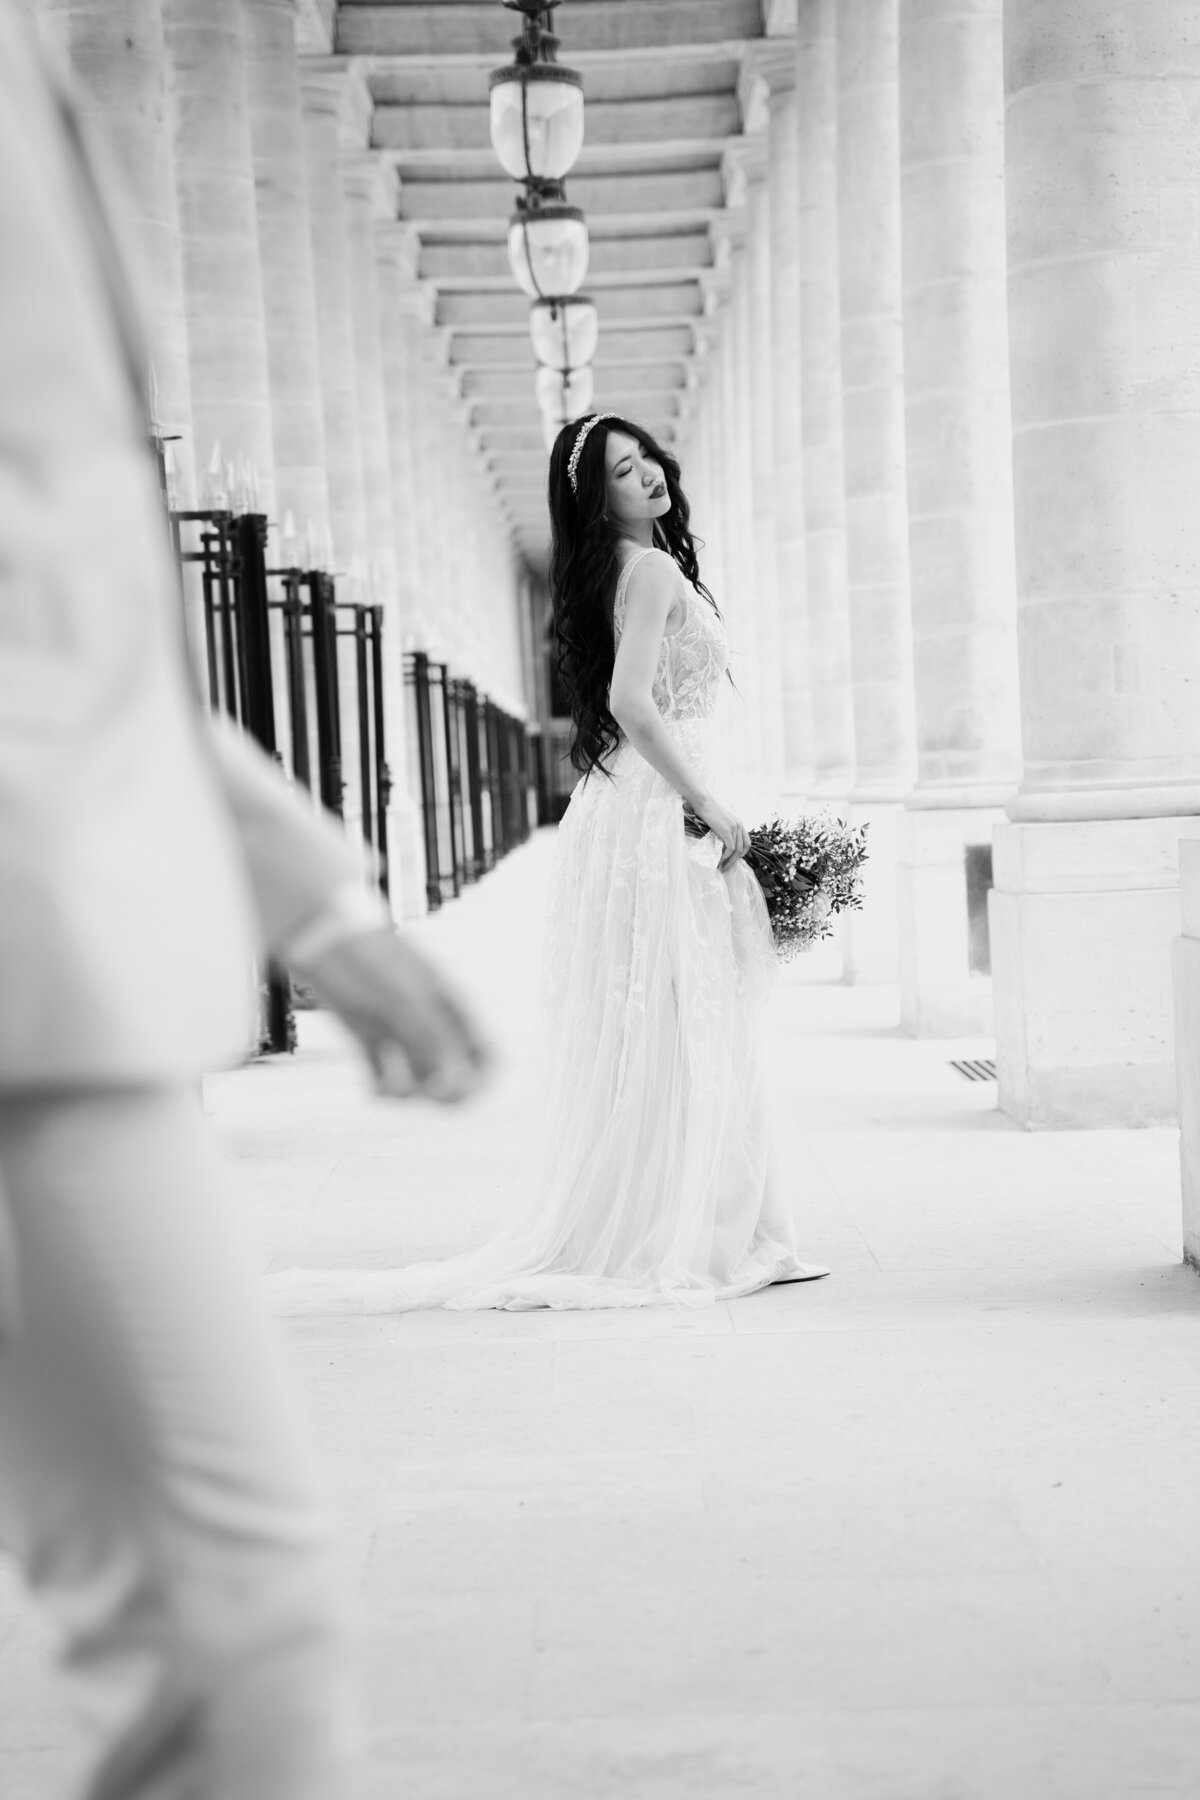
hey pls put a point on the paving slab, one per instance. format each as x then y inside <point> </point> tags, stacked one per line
<point>925,1530</point>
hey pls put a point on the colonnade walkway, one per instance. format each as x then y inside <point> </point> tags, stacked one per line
<point>924,1529</point>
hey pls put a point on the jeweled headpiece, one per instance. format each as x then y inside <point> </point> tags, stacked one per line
<point>580,441</point>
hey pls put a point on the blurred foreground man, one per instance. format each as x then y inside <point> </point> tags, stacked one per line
<point>155,1480</point>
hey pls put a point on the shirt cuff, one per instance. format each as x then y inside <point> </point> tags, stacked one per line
<point>350,911</point>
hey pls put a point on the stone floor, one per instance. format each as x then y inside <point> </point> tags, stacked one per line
<point>926,1530</point>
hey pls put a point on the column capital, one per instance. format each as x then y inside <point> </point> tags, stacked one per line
<point>366,177</point>
<point>399,245</point>
<point>770,65</point>
<point>338,85</point>
<point>779,18</point>
<point>727,234</point>
<point>743,161</point>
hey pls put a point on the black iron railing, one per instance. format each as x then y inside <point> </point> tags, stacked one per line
<point>476,770</point>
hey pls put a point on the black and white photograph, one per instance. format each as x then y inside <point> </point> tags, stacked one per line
<point>599,900</point>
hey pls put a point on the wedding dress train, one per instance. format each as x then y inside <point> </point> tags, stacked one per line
<point>651,1182</point>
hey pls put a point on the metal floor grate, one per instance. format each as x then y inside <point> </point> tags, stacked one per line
<point>976,1068</point>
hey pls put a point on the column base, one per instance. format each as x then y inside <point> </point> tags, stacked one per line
<point>1186,969</point>
<point>1083,915</point>
<point>869,939</point>
<point>945,980</point>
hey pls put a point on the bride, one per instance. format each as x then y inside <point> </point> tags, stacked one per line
<point>652,1182</point>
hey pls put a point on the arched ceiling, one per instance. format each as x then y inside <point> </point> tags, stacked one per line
<point>665,90</point>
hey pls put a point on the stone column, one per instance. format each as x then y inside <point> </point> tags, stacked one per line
<point>396,254</point>
<point>335,124</point>
<point>326,97</point>
<point>752,316</point>
<point>286,256</point>
<point>115,57</point>
<point>959,461</point>
<point>370,199</point>
<point>1103,165</point>
<point>214,167</point>
<point>370,207</point>
<point>1186,963</point>
<point>783,149</point>
<point>868,161</point>
<point>821,403</point>
<point>740,606</point>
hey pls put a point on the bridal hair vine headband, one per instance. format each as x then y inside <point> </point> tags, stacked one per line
<point>580,441</point>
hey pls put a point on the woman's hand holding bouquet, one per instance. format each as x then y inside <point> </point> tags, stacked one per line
<point>808,870</point>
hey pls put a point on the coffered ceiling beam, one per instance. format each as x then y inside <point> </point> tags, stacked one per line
<point>415,130</point>
<point>492,350</point>
<point>610,259</point>
<point>497,311</point>
<point>485,29</point>
<point>674,192</point>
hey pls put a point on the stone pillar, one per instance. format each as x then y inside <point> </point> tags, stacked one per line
<point>1104,331</point>
<point>115,57</point>
<point>335,124</point>
<point>370,199</point>
<point>326,96</point>
<point>739,605</point>
<point>214,168</point>
<point>783,149</point>
<point>821,403</point>
<point>868,161</point>
<point>762,398</point>
<point>396,253</point>
<point>1187,1044</point>
<point>959,459</point>
<point>286,256</point>
<point>370,206</point>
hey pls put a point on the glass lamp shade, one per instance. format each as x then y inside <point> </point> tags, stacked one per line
<point>564,395</point>
<point>537,119</point>
<point>548,250</point>
<point>565,332</point>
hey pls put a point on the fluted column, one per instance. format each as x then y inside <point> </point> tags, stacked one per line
<point>223,295</point>
<point>868,162</point>
<point>821,402</point>
<point>740,601</point>
<point>1104,327</point>
<point>959,460</point>
<point>286,256</point>
<point>326,97</point>
<point>762,397</point>
<point>396,260</point>
<point>115,56</point>
<point>783,149</point>
<point>370,200</point>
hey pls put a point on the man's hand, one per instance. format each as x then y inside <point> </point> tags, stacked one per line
<point>416,1033</point>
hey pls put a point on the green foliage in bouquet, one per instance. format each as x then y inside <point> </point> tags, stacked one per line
<point>809,871</point>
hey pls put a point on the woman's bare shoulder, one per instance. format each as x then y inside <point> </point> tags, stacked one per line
<point>654,573</point>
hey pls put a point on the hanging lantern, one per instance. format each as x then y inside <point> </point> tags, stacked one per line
<point>548,247</point>
<point>565,332</point>
<point>565,394</point>
<point>536,106</point>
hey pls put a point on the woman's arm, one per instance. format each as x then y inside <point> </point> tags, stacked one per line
<point>650,595</point>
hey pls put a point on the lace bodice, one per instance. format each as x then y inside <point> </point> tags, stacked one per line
<point>692,660</point>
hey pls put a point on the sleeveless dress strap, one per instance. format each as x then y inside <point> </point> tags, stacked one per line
<point>623,582</point>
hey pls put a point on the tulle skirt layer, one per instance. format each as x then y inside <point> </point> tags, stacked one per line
<point>649,1180</point>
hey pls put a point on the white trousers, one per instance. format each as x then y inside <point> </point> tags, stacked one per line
<point>155,1478</point>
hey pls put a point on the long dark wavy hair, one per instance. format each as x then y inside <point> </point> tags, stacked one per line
<point>584,566</point>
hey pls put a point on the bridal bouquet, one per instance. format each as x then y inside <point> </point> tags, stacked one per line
<point>808,871</point>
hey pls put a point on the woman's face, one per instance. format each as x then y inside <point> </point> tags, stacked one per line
<point>634,484</point>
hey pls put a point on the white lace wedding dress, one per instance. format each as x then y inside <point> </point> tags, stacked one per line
<point>652,1180</point>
